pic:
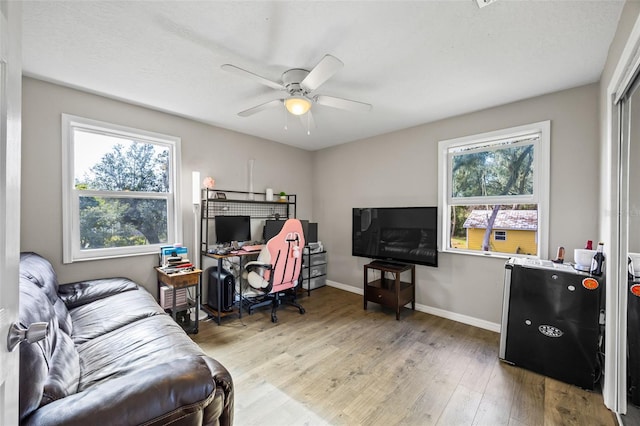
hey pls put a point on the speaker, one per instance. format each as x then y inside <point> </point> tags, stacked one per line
<point>312,233</point>
<point>227,288</point>
<point>305,229</point>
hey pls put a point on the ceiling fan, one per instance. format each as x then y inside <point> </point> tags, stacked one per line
<point>299,85</point>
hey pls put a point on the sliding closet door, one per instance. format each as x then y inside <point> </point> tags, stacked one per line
<point>628,291</point>
<point>630,182</point>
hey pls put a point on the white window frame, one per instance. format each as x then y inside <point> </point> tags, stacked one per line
<point>71,196</point>
<point>541,184</point>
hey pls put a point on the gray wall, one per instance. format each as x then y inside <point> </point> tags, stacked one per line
<point>401,169</point>
<point>397,169</point>
<point>214,152</point>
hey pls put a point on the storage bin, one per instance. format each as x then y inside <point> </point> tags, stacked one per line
<point>316,282</point>
<point>318,259</point>
<point>166,297</point>
<point>314,271</point>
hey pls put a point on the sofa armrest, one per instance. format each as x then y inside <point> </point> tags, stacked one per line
<point>83,292</point>
<point>160,394</point>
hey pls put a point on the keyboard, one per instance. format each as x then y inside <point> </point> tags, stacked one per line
<point>255,247</point>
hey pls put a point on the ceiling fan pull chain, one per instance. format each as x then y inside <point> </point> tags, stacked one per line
<point>308,124</point>
<point>286,119</point>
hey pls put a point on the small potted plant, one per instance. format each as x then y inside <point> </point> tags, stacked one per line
<point>283,196</point>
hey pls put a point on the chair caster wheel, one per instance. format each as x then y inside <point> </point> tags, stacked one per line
<point>302,311</point>
<point>274,319</point>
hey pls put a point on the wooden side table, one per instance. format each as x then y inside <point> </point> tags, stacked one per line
<point>392,293</point>
<point>182,280</point>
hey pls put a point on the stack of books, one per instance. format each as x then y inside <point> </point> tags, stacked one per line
<point>178,264</point>
<point>174,259</point>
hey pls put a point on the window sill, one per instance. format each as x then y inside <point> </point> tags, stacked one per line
<point>492,255</point>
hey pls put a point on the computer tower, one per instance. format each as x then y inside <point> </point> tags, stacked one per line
<point>551,321</point>
<point>227,289</point>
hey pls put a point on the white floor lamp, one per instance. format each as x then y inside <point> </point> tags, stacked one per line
<point>195,196</point>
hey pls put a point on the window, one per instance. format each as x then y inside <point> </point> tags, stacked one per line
<point>500,235</point>
<point>119,194</point>
<point>494,183</point>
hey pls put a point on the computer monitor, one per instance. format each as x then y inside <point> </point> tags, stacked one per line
<point>232,228</point>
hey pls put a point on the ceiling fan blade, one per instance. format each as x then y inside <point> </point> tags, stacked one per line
<point>239,71</point>
<point>261,107</point>
<point>327,67</point>
<point>347,104</point>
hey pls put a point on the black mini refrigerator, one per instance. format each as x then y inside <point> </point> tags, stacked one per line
<point>551,320</point>
<point>633,340</point>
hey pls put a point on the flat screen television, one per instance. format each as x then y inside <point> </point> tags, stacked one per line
<point>232,228</point>
<point>396,234</point>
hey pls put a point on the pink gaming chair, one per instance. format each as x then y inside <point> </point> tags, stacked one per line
<point>277,269</point>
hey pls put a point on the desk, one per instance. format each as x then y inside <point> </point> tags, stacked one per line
<point>220,257</point>
<point>182,280</point>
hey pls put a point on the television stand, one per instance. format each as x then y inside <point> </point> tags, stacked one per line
<point>387,264</point>
<point>390,292</point>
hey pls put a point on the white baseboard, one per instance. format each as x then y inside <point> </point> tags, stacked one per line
<point>465,319</point>
<point>345,287</point>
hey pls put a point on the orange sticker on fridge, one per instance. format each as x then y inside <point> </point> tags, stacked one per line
<point>590,283</point>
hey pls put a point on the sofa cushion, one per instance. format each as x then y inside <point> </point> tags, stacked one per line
<point>146,342</point>
<point>50,368</point>
<point>39,271</point>
<point>110,313</point>
<point>170,393</point>
<point>64,370</point>
<point>34,358</point>
<point>83,292</point>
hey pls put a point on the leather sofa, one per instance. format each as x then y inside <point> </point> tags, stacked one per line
<point>111,356</point>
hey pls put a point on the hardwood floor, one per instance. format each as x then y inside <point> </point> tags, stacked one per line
<point>341,365</point>
<point>632,417</point>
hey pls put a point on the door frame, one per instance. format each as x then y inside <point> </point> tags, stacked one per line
<point>614,225</point>
<point>10,150</point>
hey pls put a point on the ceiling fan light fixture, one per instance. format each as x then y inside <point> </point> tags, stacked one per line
<point>297,105</point>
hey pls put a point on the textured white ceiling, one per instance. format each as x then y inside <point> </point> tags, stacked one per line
<point>415,62</point>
